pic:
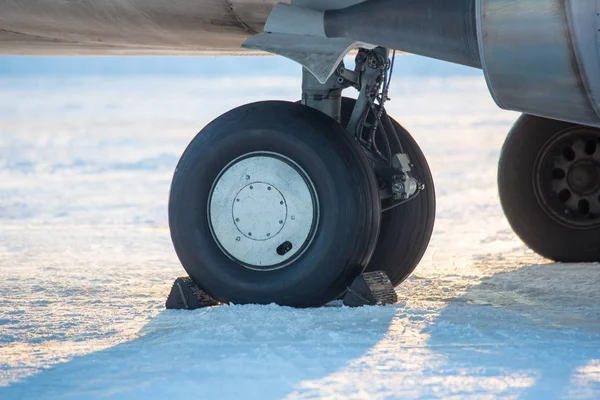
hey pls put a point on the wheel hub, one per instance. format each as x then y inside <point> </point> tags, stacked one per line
<point>259,211</point>
<point>263,211</point>
<point>584,177</point>
<point>568,178</point>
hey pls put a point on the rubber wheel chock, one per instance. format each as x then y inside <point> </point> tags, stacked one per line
<point>370,289</point>
<point>185,295</point>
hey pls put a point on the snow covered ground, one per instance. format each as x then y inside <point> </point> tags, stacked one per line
<point>86,263</point>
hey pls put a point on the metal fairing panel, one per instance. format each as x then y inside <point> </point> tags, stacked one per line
<point>319,55</point>
<point>297,32</point>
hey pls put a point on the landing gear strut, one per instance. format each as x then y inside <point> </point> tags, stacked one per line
<point>406,186</point>
<point>276,202</point>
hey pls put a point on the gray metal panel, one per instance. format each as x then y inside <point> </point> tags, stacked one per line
<point>129,26</point>
<point>583,19</point>
<point>439,29</point>
<point>529,59</point>
<point>323,5</point>
<point>321,56</point>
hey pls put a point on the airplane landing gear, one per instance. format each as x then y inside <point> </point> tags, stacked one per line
<point>274,202</point>
<point>405,229</point>
<point>277,202</point>
<point>549,183</point>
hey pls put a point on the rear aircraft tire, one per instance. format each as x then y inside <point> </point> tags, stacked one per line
<point>274,202</point>
<point>549,185</point>
<point>405,230</point>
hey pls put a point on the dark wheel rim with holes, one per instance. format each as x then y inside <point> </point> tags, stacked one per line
<point>567,178</point>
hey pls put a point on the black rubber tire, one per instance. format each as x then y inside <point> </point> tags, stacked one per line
<point>536,228</point>
<point>346,190</point>
<point>405,230</point>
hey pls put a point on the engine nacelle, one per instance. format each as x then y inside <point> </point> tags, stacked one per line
<point>541,56</point>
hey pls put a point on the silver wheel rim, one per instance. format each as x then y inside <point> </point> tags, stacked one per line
<point>263,211</point>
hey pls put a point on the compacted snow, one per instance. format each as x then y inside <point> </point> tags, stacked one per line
<point>86,263</point>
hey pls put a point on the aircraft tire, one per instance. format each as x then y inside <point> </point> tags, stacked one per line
<point>405,230</point>
<point>549,185</point>
<point>268,173</point>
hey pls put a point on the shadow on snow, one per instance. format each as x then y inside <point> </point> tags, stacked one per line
<point>539,324</point>
<point>198,352</point>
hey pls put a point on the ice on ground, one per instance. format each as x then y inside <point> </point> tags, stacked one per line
<point>86,263</point>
